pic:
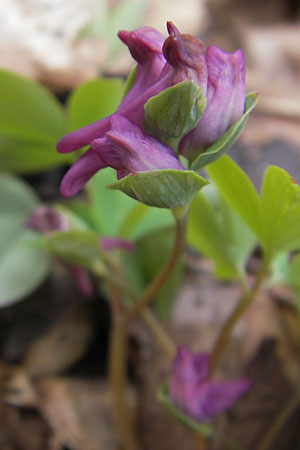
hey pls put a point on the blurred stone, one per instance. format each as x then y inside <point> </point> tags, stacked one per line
<point>44,40</point>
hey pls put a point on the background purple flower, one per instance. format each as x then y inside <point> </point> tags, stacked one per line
<point>191,390</point>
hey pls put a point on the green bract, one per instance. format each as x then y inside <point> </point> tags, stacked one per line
<point>174,112</point>
<point>166,188</point>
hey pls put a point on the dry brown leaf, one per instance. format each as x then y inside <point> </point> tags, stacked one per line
<point>78,412</point>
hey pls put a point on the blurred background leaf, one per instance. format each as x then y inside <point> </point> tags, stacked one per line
<point>31,122</point>
<point>23,265</point>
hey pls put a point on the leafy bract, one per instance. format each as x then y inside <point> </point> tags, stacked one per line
<point>174,112</point>
<point>165,188</point>
<point>80,247</point>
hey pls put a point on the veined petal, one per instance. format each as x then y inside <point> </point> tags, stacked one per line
<point>187,54</point>
<point>83,136</point>
<point>84,168</point>
<point>225,100</point>
<point>145,45</point>
<point>127,149</point>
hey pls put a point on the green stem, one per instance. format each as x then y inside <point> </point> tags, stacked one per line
<point>118,382</point>
<point>245,300</point>
<point>158,332</point>
<point>154,326</point>
<point>163,275</point>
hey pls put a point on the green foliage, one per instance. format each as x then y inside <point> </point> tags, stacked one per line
<point>31,122</point>
<point>217,231</point>
<point>166,188</point>
<point>23,265</point>
<point>275,216</point>
<point>226,141</point>
<point>143,265</point>
<point>238,191</point>
<point>80,247</point>
<point>174,112</point>
<point>94,100</point>
<point>280,200</point>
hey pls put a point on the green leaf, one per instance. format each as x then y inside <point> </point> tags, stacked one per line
<point>31,122</point>
<point>225,142</point>
<point>107,208</point>
<point>143,219</point>
<point>29,156</point>
<point>238,191</point>
<point>175,111</point>
<point>215,230</point>
<point>166,188</point>
<point>94,100</point>
<point>78,247</point>
<point>22,267</point>
<point>280,201</point>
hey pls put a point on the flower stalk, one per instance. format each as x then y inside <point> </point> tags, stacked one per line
<point>118,382</point>
<point>245,300</point>
<point>164,274</point>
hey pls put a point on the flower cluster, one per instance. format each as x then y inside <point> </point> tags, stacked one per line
<point>119,141</point>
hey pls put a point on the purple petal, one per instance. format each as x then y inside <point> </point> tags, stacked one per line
<point>109,243</point>
<point>83,136</point>
<point>213,397</point>
<point>145,45</point>
<point>188,371</point>
<point>187,54</point>
<point>225,99</point>
<point>126,149</point>
<point>142,42</point>
<point>84,168</point>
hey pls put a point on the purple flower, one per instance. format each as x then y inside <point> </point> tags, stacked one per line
<point>125,148</point>
<point>192,391</point>
<point>119,140</point>
<point>225,100</point>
